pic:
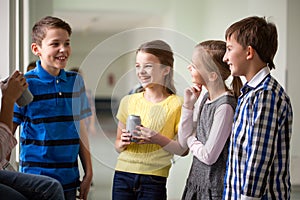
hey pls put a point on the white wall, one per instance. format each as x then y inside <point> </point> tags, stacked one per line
<point>293,71</point>
<point>4,39</point>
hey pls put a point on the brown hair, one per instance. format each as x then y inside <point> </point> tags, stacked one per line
<point>164,53</point>
<point>259,34</point>
<point>40,28</point>
<point>211,55</point>
<point>31,66</point>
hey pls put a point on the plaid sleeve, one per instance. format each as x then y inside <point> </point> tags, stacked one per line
<point>262,134</point>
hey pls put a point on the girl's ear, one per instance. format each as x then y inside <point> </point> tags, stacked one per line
<point>166,70</point>
<point>212,76</point>
<point>35,49</point>
<point>250,52</point>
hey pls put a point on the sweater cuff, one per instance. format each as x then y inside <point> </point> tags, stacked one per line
<point>190,141</point>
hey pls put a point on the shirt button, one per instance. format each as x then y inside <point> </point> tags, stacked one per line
<point>59,93</point>
<point>57,81</point>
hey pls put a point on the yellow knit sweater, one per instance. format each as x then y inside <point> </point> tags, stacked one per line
<point>162,117</point>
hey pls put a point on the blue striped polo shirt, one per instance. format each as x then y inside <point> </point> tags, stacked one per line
<point>49,137</point>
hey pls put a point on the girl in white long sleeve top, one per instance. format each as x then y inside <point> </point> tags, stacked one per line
<point>207,136</point>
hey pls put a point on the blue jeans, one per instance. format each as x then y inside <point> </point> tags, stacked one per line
<point>130,186</point>
<point>8,193</point>
<point>70,194</point>
<point>32,186</point>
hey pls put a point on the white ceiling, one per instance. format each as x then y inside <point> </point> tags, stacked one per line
<point>83,21</point>
<point>110,15</point>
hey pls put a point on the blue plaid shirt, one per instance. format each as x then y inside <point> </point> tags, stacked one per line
<point>259,153</point>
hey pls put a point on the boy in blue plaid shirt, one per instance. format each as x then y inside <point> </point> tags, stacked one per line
<point>259,153</point>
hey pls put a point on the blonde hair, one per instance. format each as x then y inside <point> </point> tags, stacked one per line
<point>211,54</point>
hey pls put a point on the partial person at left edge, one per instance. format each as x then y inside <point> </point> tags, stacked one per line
<point>16,185</point>
<point>53,133</point>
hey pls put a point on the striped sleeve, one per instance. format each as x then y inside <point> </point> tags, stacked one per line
<point>7,141</point>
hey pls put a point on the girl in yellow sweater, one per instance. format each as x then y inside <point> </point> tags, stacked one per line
<point>142,168</point>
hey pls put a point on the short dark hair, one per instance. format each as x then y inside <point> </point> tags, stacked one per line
<point>31,66</point>
<point>258,33</point>
<point>40,28</point>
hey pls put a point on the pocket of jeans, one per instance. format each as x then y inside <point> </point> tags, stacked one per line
<point>158,179</point>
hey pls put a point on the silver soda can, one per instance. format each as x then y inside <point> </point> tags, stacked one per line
<point>131,123</point>
<point>25,98</point>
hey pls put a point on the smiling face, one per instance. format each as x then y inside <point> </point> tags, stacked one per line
<point>149,69</point>
<point>236,57</point>
<point>54,50</point>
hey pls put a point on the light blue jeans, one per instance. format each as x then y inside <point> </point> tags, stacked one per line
<point>30,186</point>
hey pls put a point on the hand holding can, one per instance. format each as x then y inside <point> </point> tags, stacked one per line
<point>25,98</point>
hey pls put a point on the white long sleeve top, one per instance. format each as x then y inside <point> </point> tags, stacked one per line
<point>219,133</point>
<point>7,143</point>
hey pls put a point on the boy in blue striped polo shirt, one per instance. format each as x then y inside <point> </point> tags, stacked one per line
<point>53,132</point>
<point>259,153</point>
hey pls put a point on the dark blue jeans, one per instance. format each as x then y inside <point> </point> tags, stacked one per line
<point>31,186</point>
<point>130,186</point>
<point>70,194</point>
<point>8,193</point>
